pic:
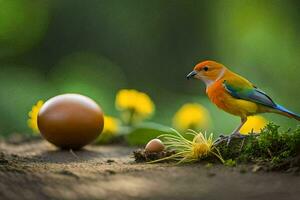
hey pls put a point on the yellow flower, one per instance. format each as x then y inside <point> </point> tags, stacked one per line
<point>135,105</point>
<point>33,115</point>
<point>201,145</point>
<point>255,123</point>
<point>111,125</point>
<point>110,130</point>
<point>186,150</point>
<point>191,116</point>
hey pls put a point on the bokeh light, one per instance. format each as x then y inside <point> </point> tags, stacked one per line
<point>23,24</point>
<point>97,48</point>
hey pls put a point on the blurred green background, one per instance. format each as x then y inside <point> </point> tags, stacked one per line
<point>96,47</point>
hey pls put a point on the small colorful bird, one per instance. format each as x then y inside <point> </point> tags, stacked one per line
<point>235,94</point>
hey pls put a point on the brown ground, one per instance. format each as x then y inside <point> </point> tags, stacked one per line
<point>37,170</point>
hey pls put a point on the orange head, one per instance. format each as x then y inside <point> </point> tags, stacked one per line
<point>208,72</point>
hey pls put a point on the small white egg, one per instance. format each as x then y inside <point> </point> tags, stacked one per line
<point>155,145</point>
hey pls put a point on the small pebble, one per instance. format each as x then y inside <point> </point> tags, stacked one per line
<point>155,145</point>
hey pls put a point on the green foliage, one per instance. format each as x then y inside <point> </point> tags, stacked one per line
<point>230,163</point>
<point>271,145</point>
<point>145,132</point>
<point>209,165</point>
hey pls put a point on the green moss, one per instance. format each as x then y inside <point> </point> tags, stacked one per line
<point>270,146</point>
<point>230,163</point>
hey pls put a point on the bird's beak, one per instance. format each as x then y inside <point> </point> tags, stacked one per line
<point>191,75</point>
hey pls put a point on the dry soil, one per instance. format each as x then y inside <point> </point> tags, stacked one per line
<point>37,170</point>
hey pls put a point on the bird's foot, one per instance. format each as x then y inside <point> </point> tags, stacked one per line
<point>229,138</point>
<point>235,135</point>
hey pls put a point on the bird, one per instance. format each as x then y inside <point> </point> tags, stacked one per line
<point>235,94</point>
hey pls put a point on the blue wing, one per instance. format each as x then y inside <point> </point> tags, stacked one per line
<point>249,93</point>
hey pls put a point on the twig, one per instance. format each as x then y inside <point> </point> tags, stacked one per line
<point>72,152</point>
<point>242,144</point>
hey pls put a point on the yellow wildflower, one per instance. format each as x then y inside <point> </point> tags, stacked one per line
<point>186,150</point>
<point>255,123</point>
<point>111,125</point>
<point>135,105</point>
<point>191,116</point>
<point>110,130</point>
<point>33,115</point>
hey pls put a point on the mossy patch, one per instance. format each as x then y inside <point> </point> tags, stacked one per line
<point>278,150</point>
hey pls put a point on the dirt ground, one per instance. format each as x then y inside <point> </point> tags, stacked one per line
<point>37,170</point>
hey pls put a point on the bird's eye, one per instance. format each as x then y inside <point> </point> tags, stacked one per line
<point>205,68</point>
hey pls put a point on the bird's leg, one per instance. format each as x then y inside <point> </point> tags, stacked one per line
<point>236,133</point>
<point>237,130</point>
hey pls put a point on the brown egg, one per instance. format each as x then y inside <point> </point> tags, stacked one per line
<point>70,121</point>
<point>155,145</point>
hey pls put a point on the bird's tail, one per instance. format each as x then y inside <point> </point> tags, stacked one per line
<point>283,111</point>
